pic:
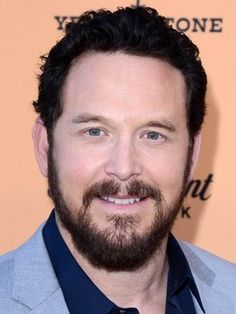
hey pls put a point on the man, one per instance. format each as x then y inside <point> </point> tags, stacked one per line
<point>121,103</point>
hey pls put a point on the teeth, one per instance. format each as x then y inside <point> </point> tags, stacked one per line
<point>121,201</point>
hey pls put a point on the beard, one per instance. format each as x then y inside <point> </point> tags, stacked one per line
<point>120,247</point>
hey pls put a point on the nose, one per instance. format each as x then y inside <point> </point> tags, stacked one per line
<point>123,162</point>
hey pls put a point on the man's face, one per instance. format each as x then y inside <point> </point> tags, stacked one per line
<point>120,155</point>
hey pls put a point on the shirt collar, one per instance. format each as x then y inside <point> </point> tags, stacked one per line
<point>78,296</point>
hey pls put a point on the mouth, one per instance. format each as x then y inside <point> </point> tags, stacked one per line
<point>122,200</point>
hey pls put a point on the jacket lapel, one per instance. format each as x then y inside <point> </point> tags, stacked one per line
<point>214,300</point>
<point>53,304</point>
<point>35,284</point>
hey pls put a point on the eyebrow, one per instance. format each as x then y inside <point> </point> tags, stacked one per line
<point>164,124</point>
<point>87,117</point>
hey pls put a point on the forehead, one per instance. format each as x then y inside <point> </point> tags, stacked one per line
<point>120,84</point>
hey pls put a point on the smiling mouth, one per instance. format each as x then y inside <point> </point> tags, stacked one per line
<point>122,200</point>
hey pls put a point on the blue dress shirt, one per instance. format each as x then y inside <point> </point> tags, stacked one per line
<point>82,296</point>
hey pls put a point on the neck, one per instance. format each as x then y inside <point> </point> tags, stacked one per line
<point>141,288</point>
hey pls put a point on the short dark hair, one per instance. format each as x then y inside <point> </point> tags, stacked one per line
<point>137,31</point>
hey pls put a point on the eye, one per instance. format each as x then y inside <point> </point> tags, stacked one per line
<point>94,132</point>
<point>152,135</point>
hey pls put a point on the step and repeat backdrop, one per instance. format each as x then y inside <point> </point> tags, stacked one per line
<point>30,28</point>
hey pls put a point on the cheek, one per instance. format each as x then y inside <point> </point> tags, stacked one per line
<point>167,171</point>
<point>77,168</point>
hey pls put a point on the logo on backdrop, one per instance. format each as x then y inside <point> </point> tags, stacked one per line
<point>197,189</point>
<point>182,24</point>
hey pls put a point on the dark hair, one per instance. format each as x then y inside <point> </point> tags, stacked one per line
<point>134,30</point>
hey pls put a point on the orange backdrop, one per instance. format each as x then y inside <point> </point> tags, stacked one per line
<point>30,28</point>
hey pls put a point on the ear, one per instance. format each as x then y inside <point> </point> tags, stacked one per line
<point>40,141</point>
<point>196,151</point>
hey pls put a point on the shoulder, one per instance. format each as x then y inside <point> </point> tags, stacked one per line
<point>215,279</point>
<point>33,241</point>
<point>6,272</point>
<point>217,270</point>
<point>16,273</point>
<point>9,260</point>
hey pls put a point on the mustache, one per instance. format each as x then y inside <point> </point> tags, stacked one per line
<point>111,188</point>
